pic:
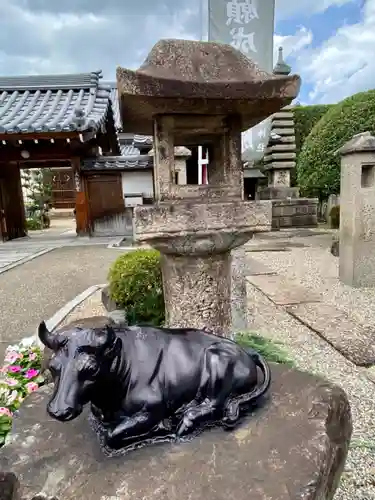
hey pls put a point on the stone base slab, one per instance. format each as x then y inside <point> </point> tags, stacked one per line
<point>278,193</point>
<point>354,342</point>
<point>294,447</point>
<point>282,291</point>
<point>182,218</point>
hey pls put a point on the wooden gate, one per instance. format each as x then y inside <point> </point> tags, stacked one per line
<point>105,196</point>
<point>12,211</point>
<point>63,192</point>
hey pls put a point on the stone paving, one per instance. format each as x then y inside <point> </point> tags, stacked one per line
<point>61,234</point>
<point>37,289</point>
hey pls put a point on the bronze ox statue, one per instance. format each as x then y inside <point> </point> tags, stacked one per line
<point>144,382</point>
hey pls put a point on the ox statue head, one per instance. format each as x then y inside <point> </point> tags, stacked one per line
<point>79,359</point>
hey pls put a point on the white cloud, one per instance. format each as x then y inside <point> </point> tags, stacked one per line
<point>290,8</point>
<point>344,64</point>
<point>292,44</point>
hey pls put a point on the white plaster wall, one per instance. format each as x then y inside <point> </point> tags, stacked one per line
<point>138,182</point>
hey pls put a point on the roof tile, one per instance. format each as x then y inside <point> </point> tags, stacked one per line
<point>53,103</point>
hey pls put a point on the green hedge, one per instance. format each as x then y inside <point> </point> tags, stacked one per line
<point>318,168</point>
<point>135,284</point>
<point>305,118</point>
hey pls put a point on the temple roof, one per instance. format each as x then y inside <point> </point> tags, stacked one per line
<point>129,162</point>
<point>54,103</point>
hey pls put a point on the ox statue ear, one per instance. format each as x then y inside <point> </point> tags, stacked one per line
<point>47,338</point>
<point>113,344</point>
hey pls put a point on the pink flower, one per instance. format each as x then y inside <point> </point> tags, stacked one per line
<point>31,373</point>
<point>14,369</point>
<point>32,356</point>
<point>5,411</point>
<point>12,356</point>
<point>11,382</point>
<point>31,387</point>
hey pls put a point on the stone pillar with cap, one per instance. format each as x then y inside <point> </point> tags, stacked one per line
<point>195,227</point>
<point>357,211</point>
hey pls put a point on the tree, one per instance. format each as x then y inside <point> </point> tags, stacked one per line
<point>318,167</point>
<point>305,118</point>
<point>38,187</point>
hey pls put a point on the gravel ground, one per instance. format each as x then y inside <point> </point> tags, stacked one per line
<point>313,354</point>
<point>37,289</point>
<point>315,268</point>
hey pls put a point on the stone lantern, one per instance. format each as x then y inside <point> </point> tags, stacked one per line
<point>188,93</point>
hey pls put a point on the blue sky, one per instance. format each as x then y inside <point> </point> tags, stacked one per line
<point>338,41</point>
<point>323,26</point>
<point>330,43</point>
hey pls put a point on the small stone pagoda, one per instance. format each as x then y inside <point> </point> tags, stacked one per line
<point>288,209</point>
<point>188,93</point>
<point>280,157</point>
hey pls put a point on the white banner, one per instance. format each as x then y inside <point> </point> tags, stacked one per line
<point>247,25</point>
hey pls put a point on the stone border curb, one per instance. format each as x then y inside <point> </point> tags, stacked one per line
<point>116,244</point>
<point>54,321</point>
<point>26,259</point>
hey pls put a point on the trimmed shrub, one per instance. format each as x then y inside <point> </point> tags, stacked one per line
<point>318,167</point>
<point>135,284</point>
<point>334,217</point>
<point>305,118</point>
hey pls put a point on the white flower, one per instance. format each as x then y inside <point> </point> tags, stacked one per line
<point>12,397</point>
<point>27,342</point>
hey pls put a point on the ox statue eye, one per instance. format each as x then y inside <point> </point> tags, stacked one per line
<point>87,365</point>
<point>54,364</point>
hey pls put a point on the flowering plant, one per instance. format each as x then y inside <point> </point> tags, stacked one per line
<point>19,376</point>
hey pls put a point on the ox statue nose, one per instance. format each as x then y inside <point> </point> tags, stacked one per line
<point>63,414</point>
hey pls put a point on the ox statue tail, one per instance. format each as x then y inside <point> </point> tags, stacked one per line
<point>232,411</point>
<point>261,389</point>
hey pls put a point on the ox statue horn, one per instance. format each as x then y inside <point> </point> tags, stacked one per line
<point>47,338</point>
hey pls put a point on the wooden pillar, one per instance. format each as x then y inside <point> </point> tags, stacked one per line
<point>81,204</point>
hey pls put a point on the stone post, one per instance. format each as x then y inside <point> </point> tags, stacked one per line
<point>357,212</point>
<point>181,154</point>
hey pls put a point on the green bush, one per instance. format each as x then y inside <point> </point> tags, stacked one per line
<point>32,224</point>
<point>334,216</point>
<point>271,351</point>
<point>305,118</point>
<point>318,167</point>
<point>135,284</point>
